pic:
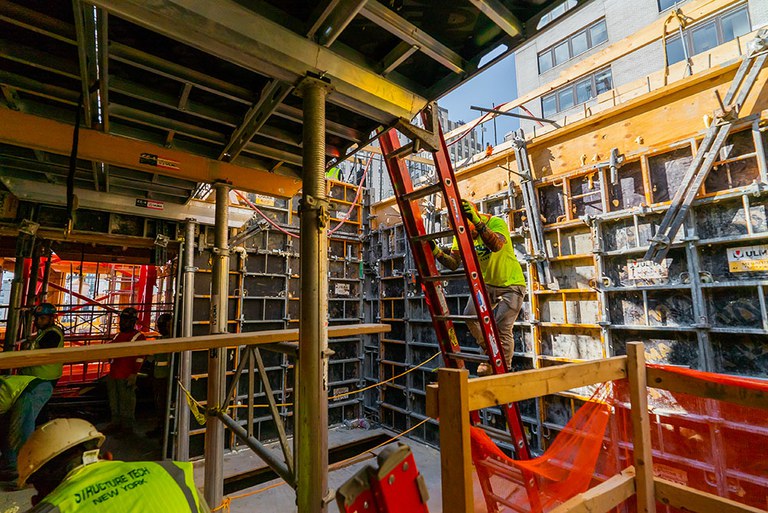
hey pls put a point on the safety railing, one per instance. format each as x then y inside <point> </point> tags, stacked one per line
<point>455,395</point>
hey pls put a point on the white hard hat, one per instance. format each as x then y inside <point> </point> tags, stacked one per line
<point>50,440</point>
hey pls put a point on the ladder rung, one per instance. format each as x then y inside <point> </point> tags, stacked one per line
<point>456,318</point>
<point>433,236</point>
<point>469,357</point>
<point>421,192</point>
<point>446,276</point>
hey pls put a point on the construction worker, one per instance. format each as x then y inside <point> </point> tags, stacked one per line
<point>333,174</point>
<point>61,460</point>
<point>19,408</point>
<point>49,336</point>
<point>161,372</point>
<point>501,272</point>
<point>488,150</point>
<point>121,381</point>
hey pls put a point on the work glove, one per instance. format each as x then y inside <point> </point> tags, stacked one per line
<point>434,247</point>
<point>470,212</point>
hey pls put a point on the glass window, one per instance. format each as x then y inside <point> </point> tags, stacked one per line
<point>598,33</point>
<point>584,91</point>
<point>675,51</point>
<point>562,53</point>
<point>545,61</point>
<point>735,24</point>
<point>565,99</point>
<point>666,4</point>
<point>603,81</point>
<point>549,105</point>
<point>704,38</point>
<point>579,43</point>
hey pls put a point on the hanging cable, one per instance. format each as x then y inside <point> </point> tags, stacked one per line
<point>482,119</point>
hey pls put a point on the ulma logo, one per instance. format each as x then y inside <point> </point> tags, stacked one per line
<point>750,253</point>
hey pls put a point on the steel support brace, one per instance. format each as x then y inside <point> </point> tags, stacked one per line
<point>312,387</point>
<point>185,364</point>
<point>214,431</point>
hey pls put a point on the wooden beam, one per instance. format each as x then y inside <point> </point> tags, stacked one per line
<point>433,400</point>
<point>684,498</point>
<point>641,428</point>
<point>17,359</point>
<point>603,497</point>
<point>38,133</point>
<point>518,386</point>
<point>676,382</point>
<point>456,451</point>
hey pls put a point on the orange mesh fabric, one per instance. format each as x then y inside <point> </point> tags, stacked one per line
<point>710,445</point>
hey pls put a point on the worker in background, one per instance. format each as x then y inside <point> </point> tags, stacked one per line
<point>161,372</point>
<point>61,460</point>
<point>333,174</point>
<point>488,150</point>
<point>501,272</point>
<point>121,381</point>
<point>19,407</point>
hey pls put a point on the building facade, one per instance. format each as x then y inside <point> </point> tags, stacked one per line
<point>464,149</point>
<point>586,31</point>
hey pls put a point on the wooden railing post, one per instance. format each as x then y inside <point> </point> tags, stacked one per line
<point>455,448</point>
<point>641,428</point>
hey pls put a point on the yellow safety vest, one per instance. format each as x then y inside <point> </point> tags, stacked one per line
<point>122,487</point>
<point>49,371</point>
<point>11,387</point>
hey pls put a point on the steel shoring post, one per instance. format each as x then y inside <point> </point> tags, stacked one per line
<point>214,431</point>
<point>47,274</point>
<point>312,383</point>
<point>256,356</point>
<point>185,364</point>
<point>32,288</point>
<point>17,291</point>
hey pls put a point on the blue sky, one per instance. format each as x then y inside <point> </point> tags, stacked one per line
<point>494,85</point>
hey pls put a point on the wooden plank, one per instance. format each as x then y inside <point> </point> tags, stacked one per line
<point>685,498</point>
<point>518,386</point>
<point>603,497</point>
<point>433,401</point>
<point>641,428</point>
<point>674,382</point>
<point>17,359</point>
<point>456,452</point>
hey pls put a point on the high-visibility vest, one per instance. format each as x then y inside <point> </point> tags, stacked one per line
<point>11,387</point>
<point>333,174</point>
<point>126,486</point>
<point>48,371</point>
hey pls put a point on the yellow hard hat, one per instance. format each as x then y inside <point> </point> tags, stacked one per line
<point>52,439</point>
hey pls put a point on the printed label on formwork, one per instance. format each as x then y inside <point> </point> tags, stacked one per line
<point>748,258</point>
<point>341,390</point>
<point>154,205</point>
<point>673,474</point>
<point>260,199</point>
<point>342,215</point>
<point>150,159</point>
<point>341,289</point>
<point>647,269</point>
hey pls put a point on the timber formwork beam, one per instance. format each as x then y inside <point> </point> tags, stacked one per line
<point>38,133</point>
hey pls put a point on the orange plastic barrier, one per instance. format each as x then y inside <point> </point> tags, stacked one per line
<point>710,445</point>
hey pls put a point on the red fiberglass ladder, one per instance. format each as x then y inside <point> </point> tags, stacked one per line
<point>408,198</point>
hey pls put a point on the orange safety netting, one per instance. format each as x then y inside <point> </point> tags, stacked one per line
<point>713,446</point>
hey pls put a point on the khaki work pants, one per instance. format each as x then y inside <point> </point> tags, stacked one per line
<point>506,303</point>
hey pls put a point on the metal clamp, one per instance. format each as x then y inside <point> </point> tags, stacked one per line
<point>322,205</point>
<point>220,251</point>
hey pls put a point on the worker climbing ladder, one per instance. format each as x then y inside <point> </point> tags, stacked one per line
<point>717,133</point>
<point>407,197</point>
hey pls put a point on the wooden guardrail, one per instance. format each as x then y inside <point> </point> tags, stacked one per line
<point>455,395</point>
<point>97,352</point>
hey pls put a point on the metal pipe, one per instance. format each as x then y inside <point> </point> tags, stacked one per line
<point>185,364</point>
<point>32,288</point>
<point>14,303</point>
<point>47,274</point>
<point>269,457</point>
<point>312,387</point>
<point>214,431</point>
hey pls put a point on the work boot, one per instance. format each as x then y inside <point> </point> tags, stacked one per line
<point>484,370</point>
<point>9,476</point>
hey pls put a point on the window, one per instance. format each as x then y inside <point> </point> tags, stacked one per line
<point>576,94</point>
<point>556,13</point>
<point>572,46</point>
<point>666,4</point>
<point>705,36</point>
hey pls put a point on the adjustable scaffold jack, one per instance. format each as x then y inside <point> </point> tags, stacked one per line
<point>431,279</point>
<point>724,119</point>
